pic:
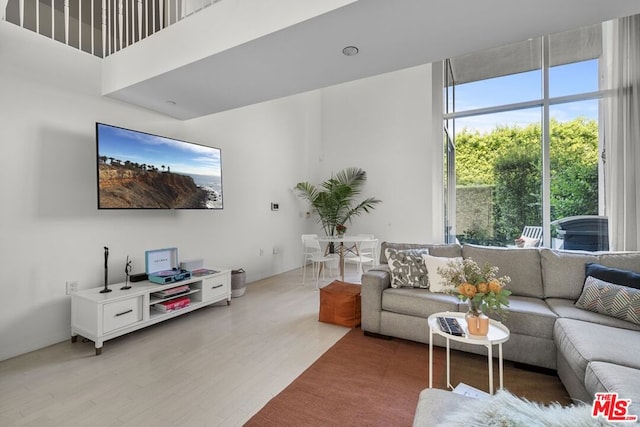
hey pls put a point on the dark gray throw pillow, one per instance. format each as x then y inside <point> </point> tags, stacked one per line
<point>613,275</point>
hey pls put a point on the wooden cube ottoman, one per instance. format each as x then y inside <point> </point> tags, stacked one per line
<point>340,304</point>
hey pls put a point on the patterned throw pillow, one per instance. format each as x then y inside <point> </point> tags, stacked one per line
<point>407,268</point>
<point>617,301</point>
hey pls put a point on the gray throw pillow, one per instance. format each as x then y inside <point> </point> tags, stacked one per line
<point>407,268</point>
<point>617,301</point>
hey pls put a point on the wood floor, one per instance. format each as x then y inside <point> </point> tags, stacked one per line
<point>216,366</point>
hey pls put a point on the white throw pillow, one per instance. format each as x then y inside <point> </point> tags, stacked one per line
<point>437,283</point>
<point>528,242</point>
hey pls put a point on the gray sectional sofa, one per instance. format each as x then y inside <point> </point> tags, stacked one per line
<point>591,352</point>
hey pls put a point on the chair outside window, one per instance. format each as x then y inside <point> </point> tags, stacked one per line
<point>313,252</point>
<point>364,253</point>
<point>531,237</point>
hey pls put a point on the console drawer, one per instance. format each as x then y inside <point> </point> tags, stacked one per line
<point>119,314</point>
<point>215,287</point>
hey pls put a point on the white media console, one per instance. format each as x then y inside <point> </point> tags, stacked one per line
<point>103,316</point>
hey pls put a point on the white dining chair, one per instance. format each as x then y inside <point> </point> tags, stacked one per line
<point>313,252</point>
<point>364,253</point>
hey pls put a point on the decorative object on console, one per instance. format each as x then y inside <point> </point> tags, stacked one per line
<point>341,229</point>
<point>127,270</point>
<point>106,271</point>
<point>192,264</point>
<point>407,268</point>
<point>162,266</point>
<point>138,277</point>
<point>481,288</point>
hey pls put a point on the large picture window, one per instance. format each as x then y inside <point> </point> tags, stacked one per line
<point>523,138</point>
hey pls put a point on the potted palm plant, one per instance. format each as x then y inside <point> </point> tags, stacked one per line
<point>334,200</point>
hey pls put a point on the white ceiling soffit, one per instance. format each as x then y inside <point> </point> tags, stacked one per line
<point>391,35</point>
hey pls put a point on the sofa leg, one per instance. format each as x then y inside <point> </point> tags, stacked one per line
<point>375,335</point>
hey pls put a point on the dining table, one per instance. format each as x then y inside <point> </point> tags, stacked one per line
<point>342,247</point>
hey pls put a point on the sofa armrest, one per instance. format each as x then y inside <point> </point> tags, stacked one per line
<point>374,282</point>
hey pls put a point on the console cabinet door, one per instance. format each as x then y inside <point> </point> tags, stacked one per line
<point>216,288</point>
<point>119,314</point>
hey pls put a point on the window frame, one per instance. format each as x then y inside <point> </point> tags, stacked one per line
<point>545,102</point>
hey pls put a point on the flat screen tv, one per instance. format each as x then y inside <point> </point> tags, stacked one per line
<point>138,170</point>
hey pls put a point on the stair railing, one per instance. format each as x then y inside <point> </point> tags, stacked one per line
<point>99,27</point>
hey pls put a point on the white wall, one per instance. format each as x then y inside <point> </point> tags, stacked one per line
<point>384,125</point>
<point>51,231</point>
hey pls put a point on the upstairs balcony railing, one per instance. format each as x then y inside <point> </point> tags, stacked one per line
<point>100,27</point>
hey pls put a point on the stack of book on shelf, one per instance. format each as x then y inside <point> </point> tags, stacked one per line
<point>172,292</point>
<point>173,305</point>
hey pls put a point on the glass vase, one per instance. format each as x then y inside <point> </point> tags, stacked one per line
<point>477,321</point>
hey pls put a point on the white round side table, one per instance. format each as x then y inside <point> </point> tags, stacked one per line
<point>498,334</point>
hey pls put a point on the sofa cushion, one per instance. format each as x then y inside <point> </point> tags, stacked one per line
<point>452,250</point>
<point>603,297</point>
<point>583,342</point>
<point>563,272</point>
<point>622,260</point>
<point>407,268</point>
<point>617,276</point>
<point>417,302</point>
<point>602,377</point>
<point>567,308</point>
<point>528,316</point>
<point>521,265</point>
<point>437,283</point>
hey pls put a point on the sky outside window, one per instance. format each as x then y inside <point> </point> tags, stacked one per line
<point>570,79</point>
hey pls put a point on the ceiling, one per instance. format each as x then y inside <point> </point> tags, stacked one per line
<point>390,35</point>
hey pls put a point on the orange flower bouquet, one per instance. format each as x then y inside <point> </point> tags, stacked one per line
<point>480,286</point>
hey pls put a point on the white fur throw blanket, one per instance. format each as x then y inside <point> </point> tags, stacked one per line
<point>506,410</point>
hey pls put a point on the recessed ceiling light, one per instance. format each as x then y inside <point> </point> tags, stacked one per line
<point>350,51</point>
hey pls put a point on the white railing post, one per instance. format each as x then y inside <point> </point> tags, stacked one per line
<point>118,19</point>
<point>105,28</point>
<point>38,17</point>
<point>80,25</point>
<point>119,25</point>
<point>93,39</point>
<point>127,21</point>
<point>66,22</point>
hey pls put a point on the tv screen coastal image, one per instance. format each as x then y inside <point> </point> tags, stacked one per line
<point>137,170</point>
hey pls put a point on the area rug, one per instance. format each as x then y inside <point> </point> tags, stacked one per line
<point>366,381</point>
<point>361,381</point>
